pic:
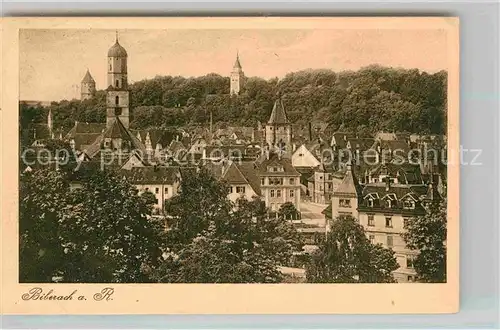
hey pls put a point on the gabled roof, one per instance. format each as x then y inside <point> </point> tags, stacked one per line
<point>233,175</point>
<point>278,115</point>
<point>116,130</point>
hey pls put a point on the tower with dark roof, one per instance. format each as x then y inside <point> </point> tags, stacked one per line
<point>346,197</point>
<point>237,76</point>
<point>279,129</point>
<point>117,99</point>
<point>87,88</point>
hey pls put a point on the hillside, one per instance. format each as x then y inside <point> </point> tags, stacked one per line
<point>366,101</point>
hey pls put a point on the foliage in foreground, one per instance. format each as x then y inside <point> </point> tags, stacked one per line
<point>347,256</point>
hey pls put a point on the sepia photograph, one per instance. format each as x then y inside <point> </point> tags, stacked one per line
<point>276,155</point>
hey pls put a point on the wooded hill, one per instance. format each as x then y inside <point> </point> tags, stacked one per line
<point>371,99</point>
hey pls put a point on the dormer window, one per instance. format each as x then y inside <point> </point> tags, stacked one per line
<point>388,203</point>
<point>370,202</point>
<point>409,204</point>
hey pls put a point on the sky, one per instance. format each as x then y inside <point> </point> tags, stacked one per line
<point>53,62</point>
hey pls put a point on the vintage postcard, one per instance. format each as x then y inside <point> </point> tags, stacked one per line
<point>230,165</point>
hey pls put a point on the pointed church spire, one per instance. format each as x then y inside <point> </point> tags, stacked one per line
<point>237,64</point>
<point>116,36</point>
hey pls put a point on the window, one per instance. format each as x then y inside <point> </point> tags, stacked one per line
<point>320,188</point>
<point>370,202</point>
<point>301,155</point>
<point>166,190</point>
<point>371,220</point>
<point>411,278</point>
<point>262,181</point>
<point>292,181</point>
<point>345,203</point>
<point>272,192</point>
<point>110,68</point>
<point>230,190</point>
<point>292,193</point>
<point>147,189</point>
<point>117,83</point>
<point>278,193</point>
<point>389,203</point>
<point>389,241</point>
<point>409,204</point>
<point>117,100</point>
<point>410,262</point>
<point>157,190</point>
<point>388,222</point>
<point>321,177</point>
<point>240,190</point>
<point>372,239</point>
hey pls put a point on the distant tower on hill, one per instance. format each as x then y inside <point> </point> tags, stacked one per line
<point>237,76</point>
<point>117,91</point>
<point>87,86</point>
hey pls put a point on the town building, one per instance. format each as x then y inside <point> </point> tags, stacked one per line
<point>242,179</point>
<point>383,209</point>
<point>162,181</point>
<point>279,181</point>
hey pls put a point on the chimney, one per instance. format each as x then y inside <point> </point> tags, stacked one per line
<point>310,131</point>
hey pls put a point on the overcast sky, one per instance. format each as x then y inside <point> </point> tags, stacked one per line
<point>52,62</point>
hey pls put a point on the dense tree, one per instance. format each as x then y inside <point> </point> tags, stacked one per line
<point>97,233</point>
<point>347,256</point>
<point>212,240</point>
<point>371,99</point>
<point>288,211</point>
<point>427,235</point>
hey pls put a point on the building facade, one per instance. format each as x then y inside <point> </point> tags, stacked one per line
<point>279,182</point>
<point>384,209</point>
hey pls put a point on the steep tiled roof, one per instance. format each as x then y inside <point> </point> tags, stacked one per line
<point>278,115</point>
<point>87,79</point>
<point>249,171</point>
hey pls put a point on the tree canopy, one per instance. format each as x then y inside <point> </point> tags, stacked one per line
<point>212,240</point>
<point>427,234</point>
<point>97,233</point>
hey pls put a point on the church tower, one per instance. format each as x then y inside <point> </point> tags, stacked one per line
<point>237,77</point>
<point>87,86</point>
<point>279,130</point>
<point>117,99</point>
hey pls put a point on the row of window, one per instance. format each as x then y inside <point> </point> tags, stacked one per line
<point>239,190</point>
<point>275,169</point>
<point>388,221</point>
<point>157,190</point>
<point>407,204</point>
<point>277,193</point>
<point>277,181</point>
